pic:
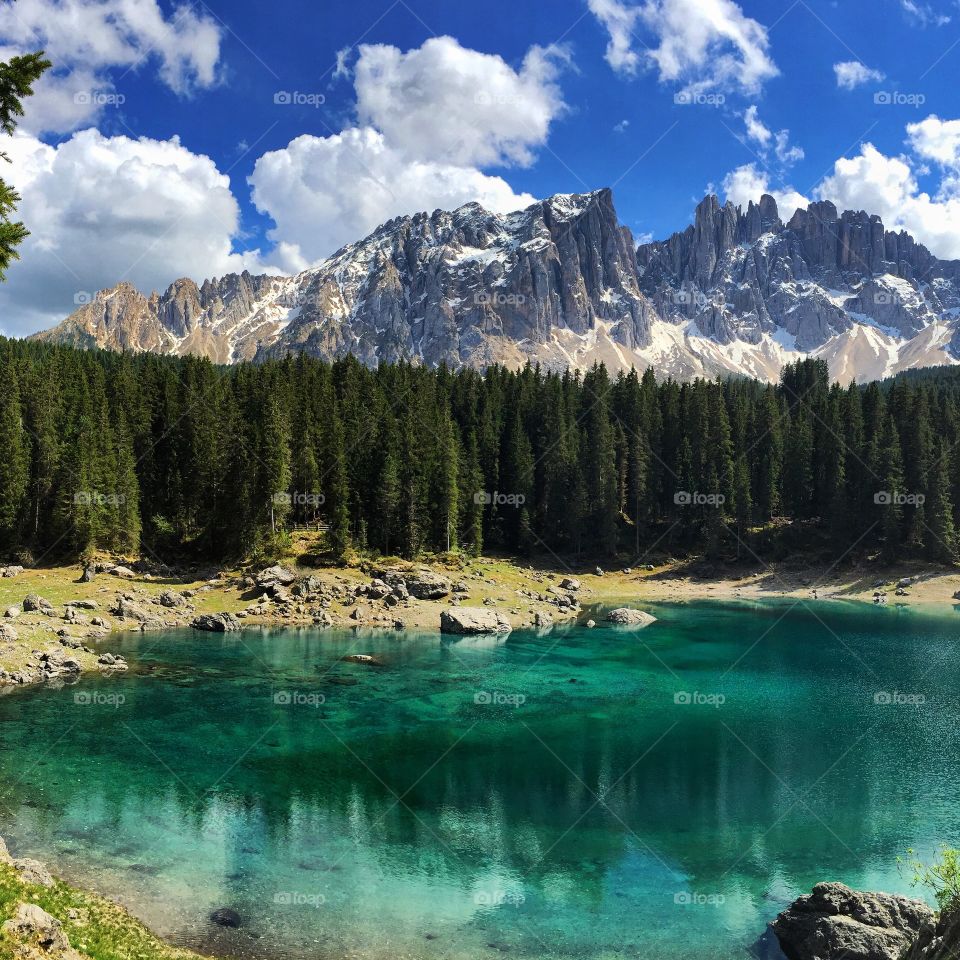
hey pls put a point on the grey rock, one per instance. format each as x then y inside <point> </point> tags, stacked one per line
<point>472,620</point>
<point>422,584</point>
<point>33,927</point>
<point>33,603</point>
<point>835,922</point>
<point>625,616</point>
<point>570,584</point>
<point>216,622</point>
<point>938,940</point>
<point>32,871</point>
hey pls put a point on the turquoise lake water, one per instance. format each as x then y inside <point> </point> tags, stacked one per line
<point>578,793</point>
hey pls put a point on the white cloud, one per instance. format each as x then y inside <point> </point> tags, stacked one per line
<point>342,68</point>
<point>324,192</point>
<point>748,183</point>
<point>86,39</point>
<point>756,130</point>
<point>923,14</point>
<point>852,74</point>
<point>701,45</point>
<point>104,209</point>
<point>888,186</point>
<point>444,102</point>
<point>620,21</point>
<point>621,127</point>
<point>936,139</point>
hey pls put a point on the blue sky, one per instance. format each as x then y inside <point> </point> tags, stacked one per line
<point>661,99</point>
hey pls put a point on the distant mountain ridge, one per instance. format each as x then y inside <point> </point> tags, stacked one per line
<point>563,284</point>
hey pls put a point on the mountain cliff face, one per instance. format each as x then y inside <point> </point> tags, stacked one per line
<point>561,283</point>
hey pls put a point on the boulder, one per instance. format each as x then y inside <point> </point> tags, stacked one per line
<point>8,634</point>
<point>835,922</point>
<point>34,603</point>
<point>469,620</point>
<point>35,928</point>
<point>125,573</point>
<point>216,622</point>
<point>89,572</point>
<point>32,871</point>
<point>4,852</point>
<point>422,584</point>
<point>570,584</point>
<point>171,599</point>
<point>127,609</point>
<point>276,575</point>
<point>625,616</point>
<point>940,940</point>
<point>11,613</point>
<point>11,571</point>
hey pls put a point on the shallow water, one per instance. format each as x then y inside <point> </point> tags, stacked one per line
<point>578,793</point>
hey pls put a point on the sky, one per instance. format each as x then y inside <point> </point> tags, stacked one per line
<point>200,138</point>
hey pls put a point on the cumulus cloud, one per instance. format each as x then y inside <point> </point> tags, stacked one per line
<point>104,209</point>
<point>324,192</point>
<point>700,45</point>
<point>87,38</point>
<point>429,121</point>
<point>888,186</point>
<point>444,101</point>
<point>749,182</point>
<point>852,74</point>
<point>937,140</point>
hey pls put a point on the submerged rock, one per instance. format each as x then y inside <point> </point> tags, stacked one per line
<point>468,620</point>
<point>835,922</point>
<point>625,616</point>
<point>226,917</point>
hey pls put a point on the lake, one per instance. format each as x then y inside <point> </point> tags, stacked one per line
<point>575,793</point>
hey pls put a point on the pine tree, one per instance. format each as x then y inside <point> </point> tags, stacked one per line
<point>942,535</point>
<point>17,77</point>
<point>15,458</point>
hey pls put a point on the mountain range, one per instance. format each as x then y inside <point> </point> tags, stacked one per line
<point>563,284</point>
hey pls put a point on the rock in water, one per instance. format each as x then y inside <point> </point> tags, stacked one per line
<point>225,917</point>
<point>625,616</point>
<point>469,620</point>
<point>216,622</point>
<point>837,923</point>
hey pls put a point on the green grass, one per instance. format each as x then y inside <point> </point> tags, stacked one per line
<point>101,930</point>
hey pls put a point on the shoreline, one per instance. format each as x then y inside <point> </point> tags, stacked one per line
<point>68,634</point>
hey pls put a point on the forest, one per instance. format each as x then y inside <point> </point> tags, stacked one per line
<point>181,459</point>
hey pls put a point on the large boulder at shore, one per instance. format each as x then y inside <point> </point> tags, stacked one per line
<point>940,941</point>
<point>33,871</point>
<point>837,923</point>
<point>216,622</point>
<point>625,616</point>
<point>469,620</point>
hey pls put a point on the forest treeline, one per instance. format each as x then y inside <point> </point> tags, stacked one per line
<point>181,458</point>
